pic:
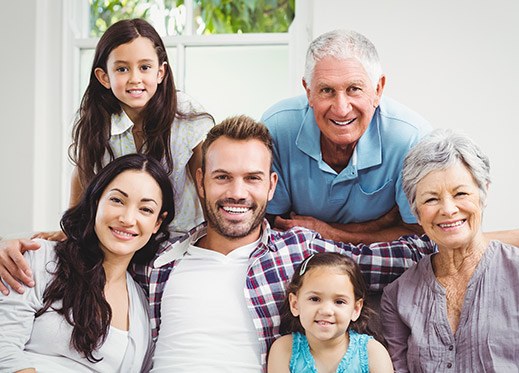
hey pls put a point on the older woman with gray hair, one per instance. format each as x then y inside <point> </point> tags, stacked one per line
<point>456,310</point>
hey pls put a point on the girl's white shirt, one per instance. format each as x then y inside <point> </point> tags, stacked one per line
<point>185,136</point>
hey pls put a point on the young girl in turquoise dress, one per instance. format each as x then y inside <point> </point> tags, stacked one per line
<point>326,322</point>
<point>131,106</point>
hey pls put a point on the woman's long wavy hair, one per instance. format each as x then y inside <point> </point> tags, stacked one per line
<point>79,280</point>
<point>291,323</point>
<point>91,132</point>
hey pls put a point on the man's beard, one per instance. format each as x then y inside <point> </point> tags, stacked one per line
<point>227,228</point>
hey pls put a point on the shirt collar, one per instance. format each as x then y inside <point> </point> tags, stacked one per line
<point>308,138</point>
<point>368,149</point>
<point>178,249</point>
<point>121,123</point>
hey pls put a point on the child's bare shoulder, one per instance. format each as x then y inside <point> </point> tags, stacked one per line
<point>283,344</point>
<point>279,355</point>
<point>379,360</point>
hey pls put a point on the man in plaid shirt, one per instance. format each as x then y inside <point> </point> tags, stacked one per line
<point>192,306</point>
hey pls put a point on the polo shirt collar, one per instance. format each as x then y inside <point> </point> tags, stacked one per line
<point>368,150</point>
<point>309,136</point>
<point>121,123</point>
<point>369,147</point>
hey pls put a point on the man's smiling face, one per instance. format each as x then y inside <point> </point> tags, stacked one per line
<point>343,99</point>
<point>236,187</point>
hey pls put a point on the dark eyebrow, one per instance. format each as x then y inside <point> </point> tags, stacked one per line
<point>149,200</point>
<point>126,195</point>
<point>221,171</point>
<point>120,191</point>
<point>257,173</point>
<point>145,60</point>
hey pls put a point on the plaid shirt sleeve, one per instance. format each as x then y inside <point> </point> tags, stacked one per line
<point>381,262</point>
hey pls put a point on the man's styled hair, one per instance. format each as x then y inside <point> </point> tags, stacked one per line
<point>240,127</point>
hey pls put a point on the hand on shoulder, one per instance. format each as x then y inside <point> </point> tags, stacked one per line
<point>51,236</point>
<point>13,266</point>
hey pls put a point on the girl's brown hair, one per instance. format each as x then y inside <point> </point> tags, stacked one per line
<point>290,323</point>
<point>91,132</point>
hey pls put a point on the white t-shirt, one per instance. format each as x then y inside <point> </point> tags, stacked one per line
<point>185,136</point>
<point>205,323</point>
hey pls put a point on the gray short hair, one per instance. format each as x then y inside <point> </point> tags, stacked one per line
<point>439,150</point>
<point>342,45</point>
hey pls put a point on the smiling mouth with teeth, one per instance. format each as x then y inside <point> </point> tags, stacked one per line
<point>343,123</point>
<point>324,322</point>
<point>116,231</point>
<point>236,210</point>
<point>452,225</point>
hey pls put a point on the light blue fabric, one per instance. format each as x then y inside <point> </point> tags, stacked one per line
<point>355,360</point>
<point>365,189</point>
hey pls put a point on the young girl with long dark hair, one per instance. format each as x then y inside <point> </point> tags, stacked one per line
<point>131,106</point>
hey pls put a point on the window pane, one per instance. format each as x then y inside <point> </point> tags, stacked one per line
<point>242,16</point>
<point>196,17</point>
<point>165,16</point>
<point>238,79</point>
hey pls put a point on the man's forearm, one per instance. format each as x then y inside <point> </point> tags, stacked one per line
<point>510,236</point>
<point>390,219</point>
<point>367,235</point>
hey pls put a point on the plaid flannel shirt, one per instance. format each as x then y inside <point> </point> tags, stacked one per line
<point>272,264</point>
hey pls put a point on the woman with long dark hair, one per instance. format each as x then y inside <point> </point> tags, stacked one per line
<point>86,312</point>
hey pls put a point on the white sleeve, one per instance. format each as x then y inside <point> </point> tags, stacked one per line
<point>17,311</point>
<point>187,134</point>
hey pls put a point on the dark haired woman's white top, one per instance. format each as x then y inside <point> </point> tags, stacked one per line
<point>419,336</point>
<point>44,343</point>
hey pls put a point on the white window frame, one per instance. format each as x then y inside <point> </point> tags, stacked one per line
<point>181,43</point>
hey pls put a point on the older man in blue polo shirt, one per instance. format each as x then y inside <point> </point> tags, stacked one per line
<point>339,149</point>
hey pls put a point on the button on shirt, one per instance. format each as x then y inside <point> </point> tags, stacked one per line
<point>366,189</point>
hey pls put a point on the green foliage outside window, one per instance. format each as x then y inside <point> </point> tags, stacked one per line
<point>209,16</point>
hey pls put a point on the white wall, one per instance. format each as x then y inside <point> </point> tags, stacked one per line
<point>456,63</point>
<point>17,115</point>
<point>30,129</point>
